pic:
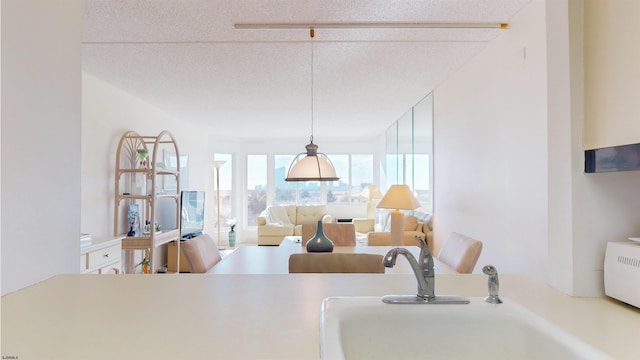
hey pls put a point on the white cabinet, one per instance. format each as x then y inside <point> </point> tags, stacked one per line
<point>101,256</point>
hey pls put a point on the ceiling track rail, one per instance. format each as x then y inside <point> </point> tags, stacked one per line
<point>372,25</point>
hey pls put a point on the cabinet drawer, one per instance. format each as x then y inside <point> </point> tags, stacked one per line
<point>100,257</point>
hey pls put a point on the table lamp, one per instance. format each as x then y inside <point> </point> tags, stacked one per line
<point>398,197</point>
<point>370,193</point>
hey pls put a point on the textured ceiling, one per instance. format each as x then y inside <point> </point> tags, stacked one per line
<point>187,58</point>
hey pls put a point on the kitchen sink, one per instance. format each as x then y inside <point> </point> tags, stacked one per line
<point>367,328</point>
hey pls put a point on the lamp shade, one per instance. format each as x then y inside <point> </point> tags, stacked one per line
<point>399,197</point>
<point>312,166</point>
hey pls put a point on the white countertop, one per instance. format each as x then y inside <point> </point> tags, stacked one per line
<point>275,259</point>
<point>204,316</point>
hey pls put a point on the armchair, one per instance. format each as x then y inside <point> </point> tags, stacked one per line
<point>420,225</point>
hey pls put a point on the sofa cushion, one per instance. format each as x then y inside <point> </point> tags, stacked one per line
<point>424,218</point>
<point>309,214</point>
<point>384,238</point>
<point>279,215</point>
<point>410,223</point>
<point>292,213</point>
<point>273,229</point>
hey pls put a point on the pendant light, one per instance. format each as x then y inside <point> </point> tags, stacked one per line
<point>312,165</point>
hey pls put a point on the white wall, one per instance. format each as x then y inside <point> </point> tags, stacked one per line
<point>40,140</point>
<point>509,163</point>
<point>491,148</point>
<point>564,121</point>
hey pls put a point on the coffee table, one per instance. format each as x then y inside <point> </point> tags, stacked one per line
<point>292,240</point>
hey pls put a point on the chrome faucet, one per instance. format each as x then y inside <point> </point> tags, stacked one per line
<point>493,284</point>
<point>422,268</point>
<point>424,272</point>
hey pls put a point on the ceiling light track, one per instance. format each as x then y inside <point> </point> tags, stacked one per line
<point>372,25</point>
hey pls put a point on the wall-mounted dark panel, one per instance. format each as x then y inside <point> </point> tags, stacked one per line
<point>615,158</point>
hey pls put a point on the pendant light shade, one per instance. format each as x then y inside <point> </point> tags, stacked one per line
<point>312,165</point>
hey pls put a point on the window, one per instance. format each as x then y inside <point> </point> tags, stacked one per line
<point>409,155</point>
<point>361,174</point>
<point>256,187</point>
<point>418,166</point>
<point>338,191</point>
<point>393,169</point>
<point>355,172</point>
<point>309,192</point>
<point>285,192</point>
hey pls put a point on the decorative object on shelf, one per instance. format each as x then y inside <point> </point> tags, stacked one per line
<point>217,164</point>
<point>147,227</point>
<point>398,197</point>
<point>319,242</point>
<point>146,263</point>
<point>143,155</point>
<point>133,217</point>
<point>141,185</point>
<point>371,193</point>
<point>232,233</point>
<point>312,165</point>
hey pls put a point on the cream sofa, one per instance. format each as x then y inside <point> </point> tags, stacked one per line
<point>418,224</point>
<point>279,221</point>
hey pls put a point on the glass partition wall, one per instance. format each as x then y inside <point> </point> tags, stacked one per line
<point>409,151</point>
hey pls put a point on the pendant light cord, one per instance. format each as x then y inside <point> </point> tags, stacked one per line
<point>311,34</point>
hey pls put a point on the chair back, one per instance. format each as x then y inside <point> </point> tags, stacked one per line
<point>201,253</point>
<point>343,234</point>
<point>335,263</point>
<point>461,253</point>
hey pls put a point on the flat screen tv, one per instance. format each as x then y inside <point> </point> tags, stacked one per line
<point>191,214</point>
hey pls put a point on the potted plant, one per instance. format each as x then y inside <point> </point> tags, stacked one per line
<point>146,263</point>
<point>232,233</point>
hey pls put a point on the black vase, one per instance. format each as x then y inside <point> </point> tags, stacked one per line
<point>319,242</point>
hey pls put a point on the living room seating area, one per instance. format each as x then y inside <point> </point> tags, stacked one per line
<point>278,221</point>
<point>377,232</point>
